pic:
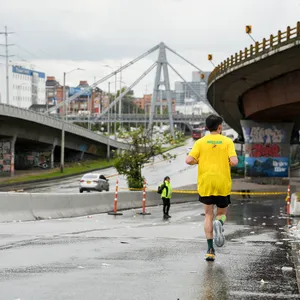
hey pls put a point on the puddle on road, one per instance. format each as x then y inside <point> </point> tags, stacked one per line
<point>264,213</point>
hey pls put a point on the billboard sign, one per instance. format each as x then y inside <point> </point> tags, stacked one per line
<point>75,90</point>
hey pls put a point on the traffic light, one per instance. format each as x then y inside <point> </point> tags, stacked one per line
<point>248,29</point>
<point>210,57</point>
<point>202,76</point>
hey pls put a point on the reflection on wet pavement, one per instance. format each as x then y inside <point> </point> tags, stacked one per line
<point>145,257</point>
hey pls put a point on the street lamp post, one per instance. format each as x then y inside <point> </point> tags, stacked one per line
<point>108,125</point>
<point>64,117</point>
<point>115,106</point>
<point>120,101</point>
<point>62,148</point>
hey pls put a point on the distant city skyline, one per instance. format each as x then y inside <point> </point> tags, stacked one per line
<point>49,39</point>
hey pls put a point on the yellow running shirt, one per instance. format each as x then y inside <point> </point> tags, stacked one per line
<point>212,153</point>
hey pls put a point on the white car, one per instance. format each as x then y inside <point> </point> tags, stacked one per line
<point>93,182</point>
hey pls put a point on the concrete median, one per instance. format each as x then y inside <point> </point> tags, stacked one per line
<point>295,205</point>
<point>38,206</point>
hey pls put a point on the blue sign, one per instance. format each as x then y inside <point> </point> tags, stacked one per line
<point>267,166</point>
<point>23,71</point>
<point>83,148</point>
<point>75,90</point>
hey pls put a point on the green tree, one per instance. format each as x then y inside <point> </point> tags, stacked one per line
<point>128,107</point>
<point>142,149</point>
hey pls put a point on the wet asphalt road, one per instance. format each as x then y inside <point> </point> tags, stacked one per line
<point>144,257</point>
<point>181,174</point>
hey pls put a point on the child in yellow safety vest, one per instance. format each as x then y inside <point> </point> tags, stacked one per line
<point>165,189</point>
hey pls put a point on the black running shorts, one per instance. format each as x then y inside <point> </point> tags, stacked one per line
<point>219,201</point>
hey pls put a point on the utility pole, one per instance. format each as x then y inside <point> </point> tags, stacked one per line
<point>62,148</point>
<point>108,126</point>
<point>64,120</point>
<point>120,102</point>
<point>6,45</point>
<point>115,127</point>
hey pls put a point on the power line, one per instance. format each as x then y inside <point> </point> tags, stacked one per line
<point>30,53</point>
<point>37,48</point>
<point>6,45</point>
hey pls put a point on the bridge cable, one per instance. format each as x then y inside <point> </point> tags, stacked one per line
<point>194,90</point>
<point>184,59</point>
<point>125,92</point>
<point>190,86</point>
<point>101,80</point>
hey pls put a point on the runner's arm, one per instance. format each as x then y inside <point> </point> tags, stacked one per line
<point>193,156</point>
<point>190,160</point>
<point>233,160</point>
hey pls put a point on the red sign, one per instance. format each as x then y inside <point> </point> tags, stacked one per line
<point>259,150</point>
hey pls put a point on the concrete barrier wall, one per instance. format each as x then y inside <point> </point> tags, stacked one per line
<point>295,205</point>
<point>29,207</point>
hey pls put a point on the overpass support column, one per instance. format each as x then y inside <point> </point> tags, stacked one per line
<point>52,153</point>
<point>12,155</point>
<point>267,150</point>
<point>82,155</point>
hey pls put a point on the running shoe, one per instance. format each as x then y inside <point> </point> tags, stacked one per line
<point>219,236</point>
<point>210,255</point>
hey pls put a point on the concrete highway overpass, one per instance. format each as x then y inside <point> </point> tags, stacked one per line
<point>260,83</point>
<point>25,134</point>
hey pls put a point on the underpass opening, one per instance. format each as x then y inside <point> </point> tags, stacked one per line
<point>32,155</point>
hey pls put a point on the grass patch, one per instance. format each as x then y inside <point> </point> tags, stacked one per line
<point>74,169</point>
<point>166,149</point>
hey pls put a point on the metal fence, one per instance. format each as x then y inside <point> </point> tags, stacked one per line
<point>132,118</point>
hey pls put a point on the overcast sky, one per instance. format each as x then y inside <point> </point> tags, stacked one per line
<point>57,36</point>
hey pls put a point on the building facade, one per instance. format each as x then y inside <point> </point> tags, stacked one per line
<point>195,90</point>
<point>26,87</point>
<point>145,103</point>
<point>90,102</point>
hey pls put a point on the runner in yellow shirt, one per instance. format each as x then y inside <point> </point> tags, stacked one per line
<point>214,154</point>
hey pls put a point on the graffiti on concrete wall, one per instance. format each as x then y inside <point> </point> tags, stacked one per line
<point>5,157</point>
<point>31,159</point>
<point>91,149</point>
<point>261,150</point>
<point>267,148</point>
<point>267,167</point>
<point>262,135</point>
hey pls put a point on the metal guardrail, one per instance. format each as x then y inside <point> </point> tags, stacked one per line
<point>128,118</point>
<point>39,118</point>
<point>256,50</point>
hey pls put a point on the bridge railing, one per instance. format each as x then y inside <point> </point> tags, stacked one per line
<point>131,117</point>
<point>51,121</point>
<point>273,42</point>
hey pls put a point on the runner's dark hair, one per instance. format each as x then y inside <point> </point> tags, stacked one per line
<point>212,122</point>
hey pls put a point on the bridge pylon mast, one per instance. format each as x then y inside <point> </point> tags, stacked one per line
<point>162,66</point>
